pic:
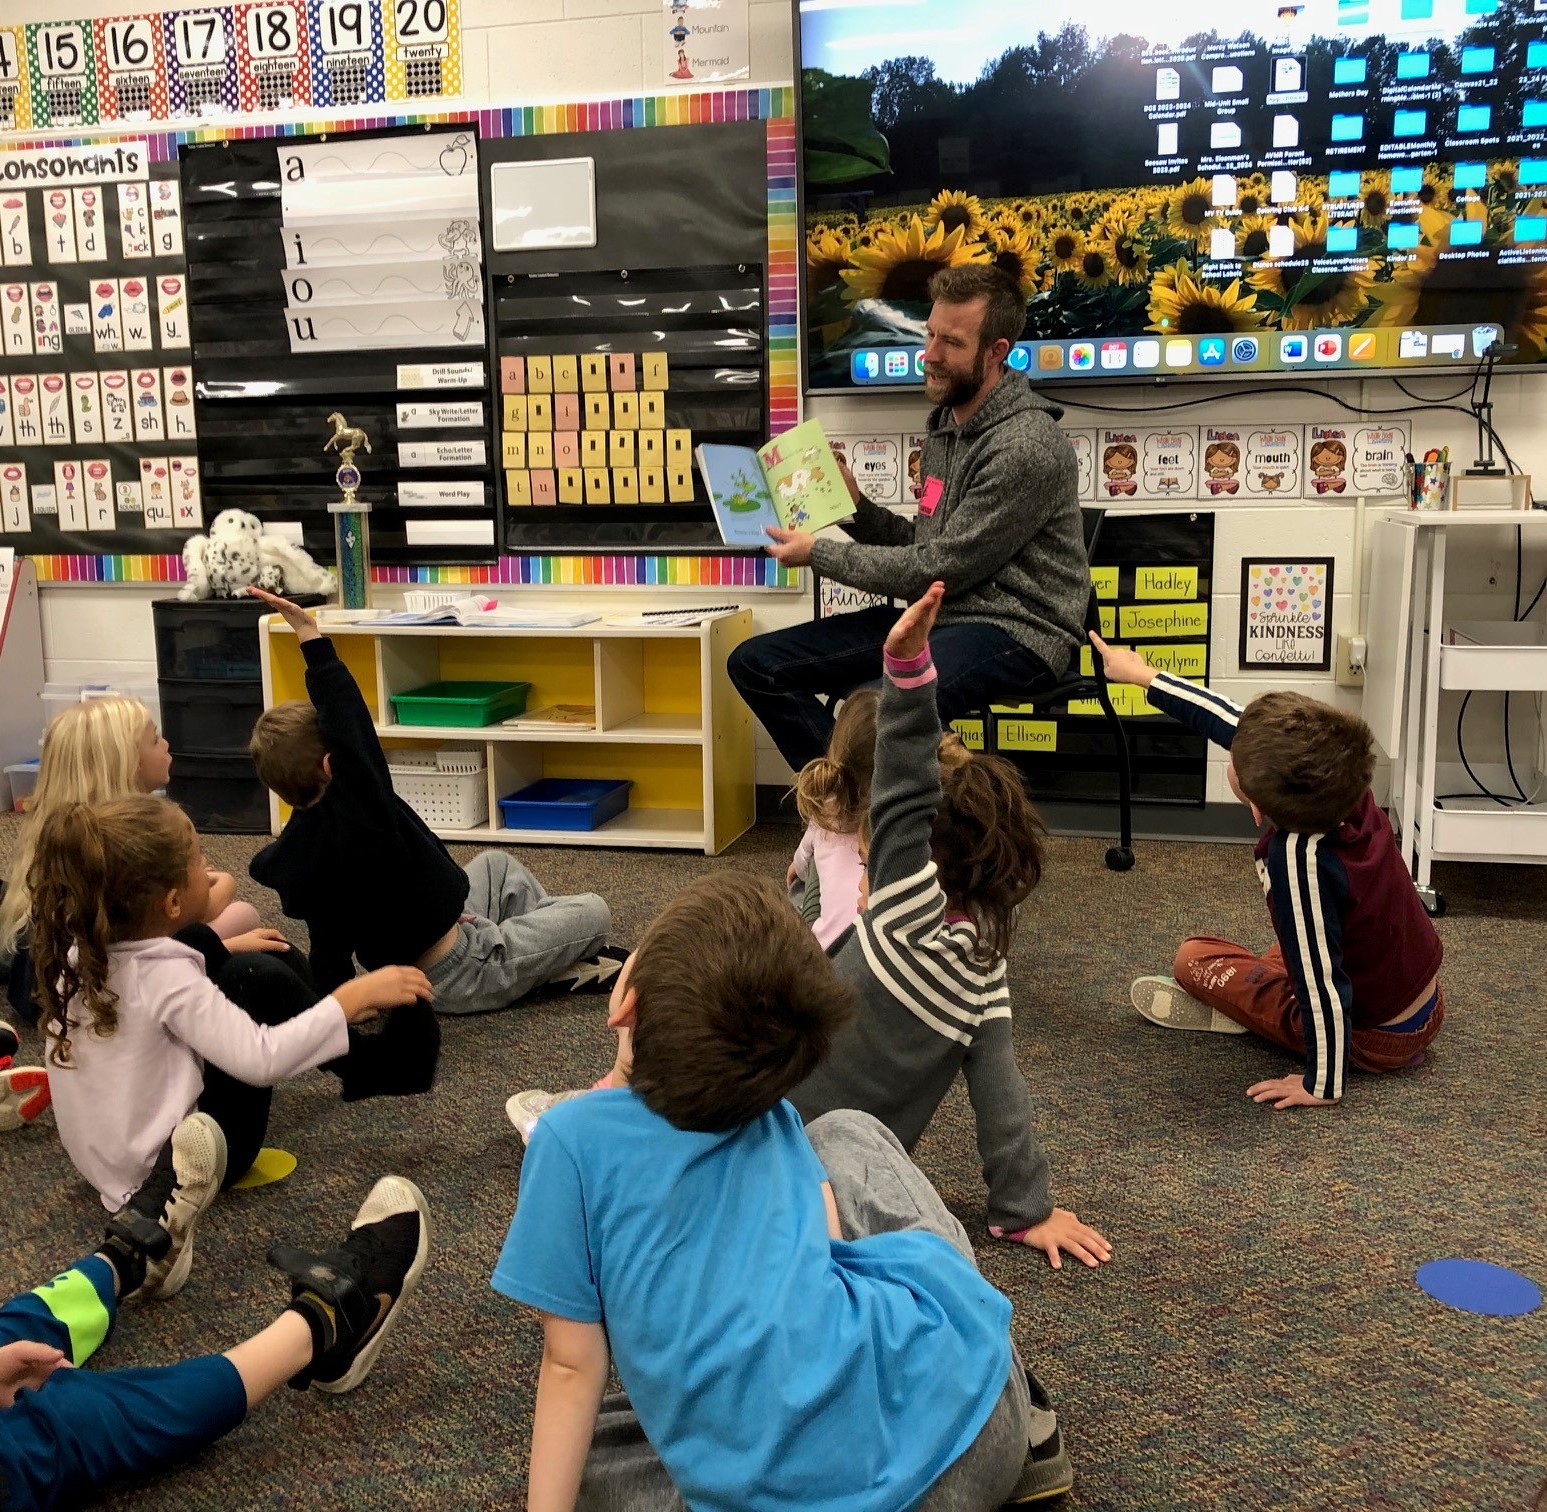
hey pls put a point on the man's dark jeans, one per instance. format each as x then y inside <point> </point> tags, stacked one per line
<point>781,674</point>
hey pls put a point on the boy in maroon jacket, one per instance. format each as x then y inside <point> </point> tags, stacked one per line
<point>1353,979</point>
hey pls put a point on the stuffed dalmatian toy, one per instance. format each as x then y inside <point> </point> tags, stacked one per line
<point>236,552</point>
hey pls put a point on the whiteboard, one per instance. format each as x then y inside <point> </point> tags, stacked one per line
<point>544,203</point>
<point>1388,624</point>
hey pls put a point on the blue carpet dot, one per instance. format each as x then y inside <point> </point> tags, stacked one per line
<point>1475,1286</point>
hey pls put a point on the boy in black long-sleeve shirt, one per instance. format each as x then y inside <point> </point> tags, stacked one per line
<point>485,936</point>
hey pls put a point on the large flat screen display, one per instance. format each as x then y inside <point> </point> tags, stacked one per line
<point>1221,188</point>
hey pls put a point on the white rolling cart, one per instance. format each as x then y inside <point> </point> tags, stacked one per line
<point>1416,649</point>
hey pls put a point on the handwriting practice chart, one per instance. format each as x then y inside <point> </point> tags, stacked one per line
<point>202,61</point>
<point>97,427</point>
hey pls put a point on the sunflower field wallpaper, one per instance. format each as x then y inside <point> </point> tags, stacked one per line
<point>1271,168</point>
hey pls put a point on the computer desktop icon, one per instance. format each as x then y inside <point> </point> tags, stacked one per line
<point>866,367</point>
<point>1211,351</point>
<point>1244,349</point>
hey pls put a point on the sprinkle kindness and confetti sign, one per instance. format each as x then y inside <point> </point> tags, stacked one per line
<point>1286,611</point>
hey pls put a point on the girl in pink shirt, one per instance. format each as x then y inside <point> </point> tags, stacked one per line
<point>832,794</point>
<point>148,1014</point>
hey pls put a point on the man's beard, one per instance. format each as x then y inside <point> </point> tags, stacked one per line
<point>960,390</point>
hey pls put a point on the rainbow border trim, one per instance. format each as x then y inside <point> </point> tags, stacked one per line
<point>775,106</point>
<point>509,571</point>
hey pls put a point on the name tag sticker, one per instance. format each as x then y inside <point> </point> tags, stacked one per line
<point>934,491</point>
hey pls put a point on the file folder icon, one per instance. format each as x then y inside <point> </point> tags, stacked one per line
<point>1227,80</point>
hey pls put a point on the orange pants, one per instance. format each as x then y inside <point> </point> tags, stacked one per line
<point>1257,991</point>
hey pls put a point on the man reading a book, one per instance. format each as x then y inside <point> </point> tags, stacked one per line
<point>998,523</point>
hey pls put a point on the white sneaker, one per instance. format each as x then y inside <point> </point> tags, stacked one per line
<point>1162,1001</point>
<point>525,1108</point>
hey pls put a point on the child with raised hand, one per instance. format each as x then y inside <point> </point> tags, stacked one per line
<point>485,936</point>
<point>795,1316</point>
<point>67,1435</point>
<point>952,851</point>
<point>1354,976</point>
<point>832,794</point>
<point>142,1028</point>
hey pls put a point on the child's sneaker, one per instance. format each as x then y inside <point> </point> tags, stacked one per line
<point>352,1296</point>
<point>1162,1001</point>
<point>594,973</point>
<point>525,1108</point>
<point>24,1094</point>
<point>1047,1472</point>
<point>10,1043</point>
<point>150,1238</point>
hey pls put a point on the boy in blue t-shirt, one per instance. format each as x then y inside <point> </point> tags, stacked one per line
<point>795,1317</point>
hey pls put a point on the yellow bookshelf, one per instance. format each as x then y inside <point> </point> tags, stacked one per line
<point>667,717</point>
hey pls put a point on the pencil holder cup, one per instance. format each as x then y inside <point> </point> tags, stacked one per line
<point>1428,485</point>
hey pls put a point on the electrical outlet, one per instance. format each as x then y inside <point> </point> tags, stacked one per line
<point>1348,675</point>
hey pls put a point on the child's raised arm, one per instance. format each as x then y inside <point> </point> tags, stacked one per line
<point>905,792</point>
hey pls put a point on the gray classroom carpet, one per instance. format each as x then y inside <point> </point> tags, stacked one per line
<point>1257,1340</point>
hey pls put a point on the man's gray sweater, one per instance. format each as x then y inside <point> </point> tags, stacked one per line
<point>999,525</point>
<point>929,1003</point>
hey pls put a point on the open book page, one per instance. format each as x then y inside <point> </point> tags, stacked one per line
<point>743,507</point>
<point>803,478</point>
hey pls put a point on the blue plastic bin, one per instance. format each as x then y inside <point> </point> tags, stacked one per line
<point>565,803</point>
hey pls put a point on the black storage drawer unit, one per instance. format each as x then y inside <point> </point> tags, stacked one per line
<point>222,794</point>
<point>212,640</point>
<point>209,719</point>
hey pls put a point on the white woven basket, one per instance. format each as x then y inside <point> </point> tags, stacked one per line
<point>447,788</point>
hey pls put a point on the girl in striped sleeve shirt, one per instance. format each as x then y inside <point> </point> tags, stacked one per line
<point>950,857</point>
<point>1354,977</point>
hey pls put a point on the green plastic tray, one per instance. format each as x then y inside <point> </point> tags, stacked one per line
<point>466,704</point>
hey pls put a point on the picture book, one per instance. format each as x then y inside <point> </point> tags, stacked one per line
<point>791,482</point>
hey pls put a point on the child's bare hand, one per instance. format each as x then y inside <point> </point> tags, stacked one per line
<point>299,620</point>
<point>1061,1231</point>
<point>25,1366</point>
<point>390,987</point>
<point>910,635</point>
<point>1286,1092</point>
<point>791,877</point>
<point>256,940</point>
<point>1123,665</point>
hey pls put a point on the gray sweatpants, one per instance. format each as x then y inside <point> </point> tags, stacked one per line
<point>878,1190</point>
<point>513,937</point>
